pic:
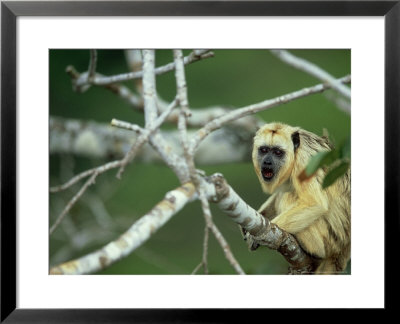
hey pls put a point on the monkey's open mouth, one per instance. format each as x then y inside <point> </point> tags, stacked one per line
<point>267,173</point>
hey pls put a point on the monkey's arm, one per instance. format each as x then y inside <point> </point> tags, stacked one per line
<point>299,220</point>
<point>303,222</point>
<point>268,209</point>
<point>299,217</point>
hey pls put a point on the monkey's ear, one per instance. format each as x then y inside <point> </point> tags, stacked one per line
<point>296,140</point>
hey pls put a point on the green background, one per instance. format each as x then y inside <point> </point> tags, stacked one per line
<point>233,78</point>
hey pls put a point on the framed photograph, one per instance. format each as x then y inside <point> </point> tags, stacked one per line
<point>130,136</point>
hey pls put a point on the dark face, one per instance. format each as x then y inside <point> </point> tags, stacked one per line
<point>270,159</point>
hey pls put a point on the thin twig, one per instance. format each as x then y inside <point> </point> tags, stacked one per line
<point>197,268</point>
<point>150,107</point>
<point>144,136</point>
<point>101,169</point>
<point>205,249</point>
<point>149,86</point>
<point>198,117</point>
<point>191,58</point>
<point>92,65</point>
<point>135,63</point>
<point>73,201</point>
<point>182,96</point>
<point>181,89</point>
<point>125,125</point>
<point>134,237</point>
<point>254,108</point>
<point>173,160</point>
<point>340,102</point>
<point>262,231</point>
<point>218,235</point>
<point>312,69</point>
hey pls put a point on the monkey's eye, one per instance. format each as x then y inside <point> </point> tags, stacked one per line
<point>278,152</point>
<point>263,149</point>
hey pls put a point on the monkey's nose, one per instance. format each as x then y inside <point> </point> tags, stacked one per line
<point>267,162</point>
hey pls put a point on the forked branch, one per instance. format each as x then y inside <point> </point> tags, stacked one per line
<point>215,189</point>
<point>193,185</point>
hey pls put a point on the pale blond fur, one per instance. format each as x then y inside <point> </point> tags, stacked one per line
<point>318,218</point>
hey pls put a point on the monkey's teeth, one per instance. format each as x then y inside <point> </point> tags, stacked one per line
<point>268,174</point>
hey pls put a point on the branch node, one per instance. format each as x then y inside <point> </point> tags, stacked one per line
<point>221,186</point>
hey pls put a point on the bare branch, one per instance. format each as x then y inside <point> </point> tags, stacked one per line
<point>135,63</point>
<point>262,231</point>
<point>125,125</point>
<point>134,237</point>
<point>149,86</point>
<point>340,102</point>
<point>151,122</point>
<point>254,108</point>
<point>73,201</point>
<point>80,176</point>
<point>92,65</point>
<point>314,70</point>
<point>191,58</point>
<point>230,144</point>
<point>143,137</point>
<point>181,89</point>
<point>198,117</point>
<point>204,259</point>
<point>89,138</point>
<point>216,190</point>
<point>174,161</point>
<point>197,268</point>
<point>218,235</point>
<point>184,113</point>
<point>180,158</point>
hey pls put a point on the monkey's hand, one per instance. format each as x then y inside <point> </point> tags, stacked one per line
<point>251,243</point>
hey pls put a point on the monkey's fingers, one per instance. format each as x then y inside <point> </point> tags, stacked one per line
<point>254,246</point>
<point>251,243</point>
<point>244,233</point>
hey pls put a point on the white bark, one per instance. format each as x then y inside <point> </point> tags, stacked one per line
<point>215,189</point>
<point>229,144</point>
<point>135,236</point>
<point>254,108</point>
<point>180,154</point>
<point>262,231</point>
<point>314,70</point>
<point>191,58</point>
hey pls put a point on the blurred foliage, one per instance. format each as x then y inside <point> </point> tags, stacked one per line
<point>233,78</point>
<point>337,160</point>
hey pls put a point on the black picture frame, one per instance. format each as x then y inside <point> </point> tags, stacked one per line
<point>9,13</point>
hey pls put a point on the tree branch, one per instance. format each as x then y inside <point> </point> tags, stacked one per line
<point>99,140</point>
<point>135,236</point>
<point>314,70</point>
<point>143,137</point>
<point>181,159</point>
<point>92,65</point>
<point>254,108</point>
<point>181,89</point>
<point>102,81</point>
<point>262,230</point>
<point>198,117</point>
<point>218,235</point>
<point>217,190</point>
<point>73,201</point>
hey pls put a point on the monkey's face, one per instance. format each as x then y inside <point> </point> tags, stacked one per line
<point>270,160</point>
<point>273,155</point>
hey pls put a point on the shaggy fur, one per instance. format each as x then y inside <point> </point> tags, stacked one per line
<point>318,218</point>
